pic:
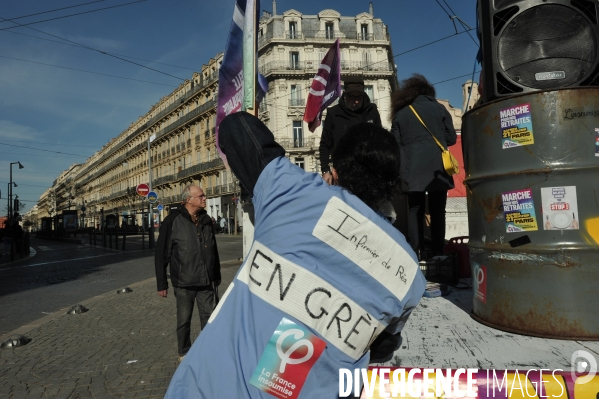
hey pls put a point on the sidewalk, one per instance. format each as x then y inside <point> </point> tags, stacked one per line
<point>125,346</point>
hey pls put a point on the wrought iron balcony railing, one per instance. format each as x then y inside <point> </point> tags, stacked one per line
<point>296,102</point>
<point>289,143</point>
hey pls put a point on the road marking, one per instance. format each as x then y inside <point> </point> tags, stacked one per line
<point>44,248</point>
<point>57,261</point>
<point>87,257</point>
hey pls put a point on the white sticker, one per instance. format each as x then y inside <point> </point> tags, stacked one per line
<point>366,245</point>
<point>560,208</point>
<point>311,300</point>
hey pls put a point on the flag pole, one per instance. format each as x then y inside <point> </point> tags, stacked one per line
<point>255,41</point>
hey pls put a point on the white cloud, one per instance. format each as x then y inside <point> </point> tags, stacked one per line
<point>13,131</point>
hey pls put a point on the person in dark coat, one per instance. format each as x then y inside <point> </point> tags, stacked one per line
<point>421,167</point>
<point>188,243</point>
<point>354,107</point>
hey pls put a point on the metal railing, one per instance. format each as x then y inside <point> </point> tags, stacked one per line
<point>296,102</point>
<point>291,35</point>
<point>190,171</point>
<point>196,112</point>
<point>296,143</point>
<point>303,66</point>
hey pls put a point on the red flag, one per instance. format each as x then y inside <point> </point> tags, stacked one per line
<point>325,88</point>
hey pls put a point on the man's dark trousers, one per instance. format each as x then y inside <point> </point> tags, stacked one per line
<point>204,297</point>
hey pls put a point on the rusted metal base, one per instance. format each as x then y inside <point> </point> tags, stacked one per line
<point>528,333</point>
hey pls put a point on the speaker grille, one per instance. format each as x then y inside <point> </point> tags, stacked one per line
<point>547,38</point>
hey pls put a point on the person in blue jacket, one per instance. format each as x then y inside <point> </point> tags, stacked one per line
<point>327,278</point>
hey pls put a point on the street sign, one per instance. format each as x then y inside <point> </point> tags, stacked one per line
<point>142,189</point>
<point>152,197</point>
<point>160,207</point>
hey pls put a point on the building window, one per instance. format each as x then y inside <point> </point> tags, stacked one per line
<point>298,134</point>
<point>300,162</point>
<point>364,32</point>
<point>294,60</point>
<point>296,99</point>
<point>293,30</point>
<point>370,92</point>
<point>366,61</point>
<point>328,28</point>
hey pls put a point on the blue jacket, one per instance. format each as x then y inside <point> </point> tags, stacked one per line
<point>322,260</point>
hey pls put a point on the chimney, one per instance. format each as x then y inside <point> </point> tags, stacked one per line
<point>371,10</point>
<point>274,7</point>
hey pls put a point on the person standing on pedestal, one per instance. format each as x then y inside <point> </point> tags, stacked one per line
<point>421,167</point>
<point>354,107</point>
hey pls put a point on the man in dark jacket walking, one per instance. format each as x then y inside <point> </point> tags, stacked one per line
<point>354,107</point>
<point>187,242</point>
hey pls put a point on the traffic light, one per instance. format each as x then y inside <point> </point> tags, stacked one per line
<point>15,205</point>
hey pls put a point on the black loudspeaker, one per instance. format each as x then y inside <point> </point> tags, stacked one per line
<point>532,45</point>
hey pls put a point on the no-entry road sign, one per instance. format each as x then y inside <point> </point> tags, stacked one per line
<point>142,189</point>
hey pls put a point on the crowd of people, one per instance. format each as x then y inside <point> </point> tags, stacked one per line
<point>294,309</point>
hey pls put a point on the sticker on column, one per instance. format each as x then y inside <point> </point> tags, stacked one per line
<point>597,142</point>
<point>516,126</point>
<point>287,359</point>
<point>560,208</point>
<point>519,211</point>
<point>479,279</point>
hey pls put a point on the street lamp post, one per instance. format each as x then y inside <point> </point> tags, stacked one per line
<point>10,190</point>
<point>150,217</point>
<point>9,199</point>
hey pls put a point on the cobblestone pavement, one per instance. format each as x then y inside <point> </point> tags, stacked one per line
<point>123,347</point>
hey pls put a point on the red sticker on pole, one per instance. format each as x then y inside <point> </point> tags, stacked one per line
<point>142,189</point>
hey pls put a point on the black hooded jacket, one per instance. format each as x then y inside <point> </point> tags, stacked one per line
<point>421,163</point>
<point>339,119</point>
<point>190,250</point>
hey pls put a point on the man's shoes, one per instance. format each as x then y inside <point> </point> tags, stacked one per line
<point>181,358</point>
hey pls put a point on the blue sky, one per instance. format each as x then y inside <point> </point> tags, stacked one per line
<point>76,112</point>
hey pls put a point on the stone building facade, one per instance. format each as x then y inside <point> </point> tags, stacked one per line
<point>290,48</point>
<point>182,124</point>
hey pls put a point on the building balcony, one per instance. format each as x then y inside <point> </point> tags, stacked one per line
<point>190,171</point>
<point>293,35</point>
<point>319,35</point>
<point>311,66</point>
<point>302,143</point>
<point>376,66</point>
<point>229,188</point>
<point>297,102</point>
